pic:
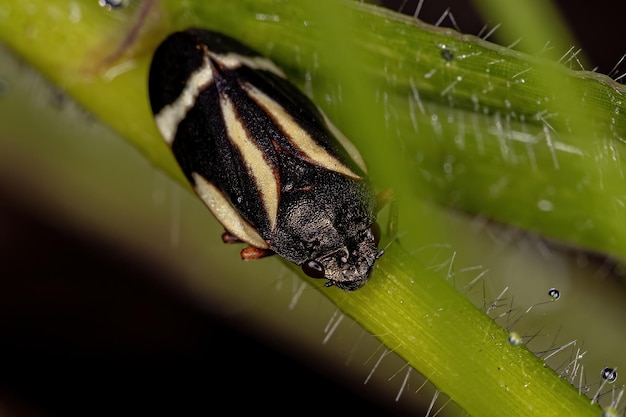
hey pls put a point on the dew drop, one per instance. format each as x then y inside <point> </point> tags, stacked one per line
<point>554,294</point>
<point>515,339</point>
<point>447,54</point>
<point>545,205</point>
<point>609,374</point>
<point>113,4</point>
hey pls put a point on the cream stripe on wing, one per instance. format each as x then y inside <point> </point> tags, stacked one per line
<point>256,164</point>
<point>232,60</point>
<point>170,116</point>
<point>299,137</point>
<point>226,214</point>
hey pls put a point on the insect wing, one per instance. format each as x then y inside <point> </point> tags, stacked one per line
<point>265,160</point>
<point>230,118</point>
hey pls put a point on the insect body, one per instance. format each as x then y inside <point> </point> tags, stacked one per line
<point>264,159</point>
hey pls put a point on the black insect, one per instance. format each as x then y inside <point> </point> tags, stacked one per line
<point>264,159</point>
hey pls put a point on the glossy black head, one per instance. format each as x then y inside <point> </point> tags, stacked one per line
<point>349,267</point>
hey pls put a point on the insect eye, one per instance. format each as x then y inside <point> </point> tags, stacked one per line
<point>375,229</point>
<point>313,269</point>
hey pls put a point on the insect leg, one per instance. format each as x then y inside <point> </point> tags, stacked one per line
<point>250,253</point>
<point>228,238</point>
<point>384,198</point>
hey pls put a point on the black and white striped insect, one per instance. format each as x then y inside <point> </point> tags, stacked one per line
<point>265,160</point>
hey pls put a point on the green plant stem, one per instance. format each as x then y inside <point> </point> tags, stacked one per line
<point>450,342</point>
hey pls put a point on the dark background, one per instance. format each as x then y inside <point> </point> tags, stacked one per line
<point>121,343</point>
<point>597,26</point>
